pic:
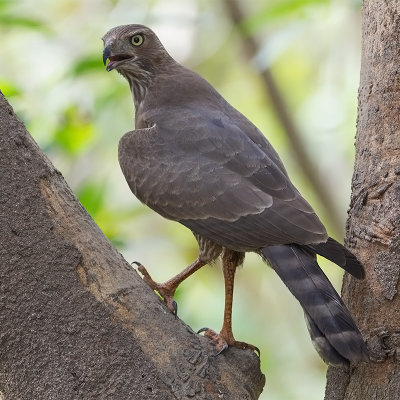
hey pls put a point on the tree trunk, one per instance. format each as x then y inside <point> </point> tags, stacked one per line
<point>373,228</point>
<point>76,321</point>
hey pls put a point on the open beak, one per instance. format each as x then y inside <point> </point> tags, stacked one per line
<point>106,54</point>
<point>113,59</point>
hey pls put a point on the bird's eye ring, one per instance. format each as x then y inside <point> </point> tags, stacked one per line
<point>137,40</point>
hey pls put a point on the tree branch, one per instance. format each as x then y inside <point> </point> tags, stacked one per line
<point>251,49</point>
<point>373,228</point>
<point>76,321</point>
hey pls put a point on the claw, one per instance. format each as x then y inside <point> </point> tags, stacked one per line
<point>146,275</point>
<point>137,263</point>
<point>164,289</point>
<point>224,347</point>
<point>222,342</point>
<point>247,346</point>
<point>175,305</point>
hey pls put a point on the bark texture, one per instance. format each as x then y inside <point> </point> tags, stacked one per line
<point>76,320</point>
<point>373,229</point>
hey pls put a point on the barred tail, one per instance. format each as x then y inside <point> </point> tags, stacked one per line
<point>331,327</point>
<point>337,253</point>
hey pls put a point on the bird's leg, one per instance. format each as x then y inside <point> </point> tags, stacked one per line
<point>224,339</point>
<point>208,251</point>
<point>167,289</point>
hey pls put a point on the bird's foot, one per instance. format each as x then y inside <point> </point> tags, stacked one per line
<point>224,340</point>
<point>166,290</point>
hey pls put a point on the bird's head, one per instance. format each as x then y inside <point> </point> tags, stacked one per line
<point>133,50</point>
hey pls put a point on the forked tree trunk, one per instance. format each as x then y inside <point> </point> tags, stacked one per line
<point>373,228</point>
<point>76,321</point>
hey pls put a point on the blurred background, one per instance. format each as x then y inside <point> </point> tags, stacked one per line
<point>291,66</point>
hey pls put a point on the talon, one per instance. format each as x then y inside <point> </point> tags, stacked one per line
<point>147,278</point>
<point>247,346</point>
<point>224,347</point>
<point>137,263</point>
<point>175,311</point>
<point>166,290</point>
<point>144,272</point>
<point>223,341</point>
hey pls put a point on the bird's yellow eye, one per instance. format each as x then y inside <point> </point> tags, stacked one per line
<point>137,40</point>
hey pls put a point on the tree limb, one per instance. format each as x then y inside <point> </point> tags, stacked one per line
<point>77,321</point>
<point>373,228</point>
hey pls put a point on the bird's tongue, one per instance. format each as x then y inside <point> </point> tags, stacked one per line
<point>110,65</point>
<point>113,60</point>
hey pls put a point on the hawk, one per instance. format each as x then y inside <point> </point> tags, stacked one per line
<point>195,159</point>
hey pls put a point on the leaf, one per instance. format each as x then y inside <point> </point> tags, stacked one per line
<point>276,11</point>
<point>25,22</point>
<point>9,89</point>
<point>75,131</point>
<point>92,195</point>
<point>88,65</point>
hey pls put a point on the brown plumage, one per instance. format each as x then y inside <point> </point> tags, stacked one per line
<point>194,159</point>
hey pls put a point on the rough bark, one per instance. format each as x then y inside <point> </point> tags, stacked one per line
<point>76,321</point>
<point>374,217</point>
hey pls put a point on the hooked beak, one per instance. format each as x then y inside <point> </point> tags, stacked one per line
<point>114,59</point>
<point>106,54</point>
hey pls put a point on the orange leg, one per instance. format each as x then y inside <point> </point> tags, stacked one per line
<point>167,289</point>
<point>224,339</point>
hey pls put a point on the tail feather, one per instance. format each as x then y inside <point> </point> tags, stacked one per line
<point>331,327</point>
<point>337,253</point>
<point>322,345</point>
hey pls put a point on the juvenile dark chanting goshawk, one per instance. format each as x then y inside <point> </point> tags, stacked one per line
<point>195,159</point>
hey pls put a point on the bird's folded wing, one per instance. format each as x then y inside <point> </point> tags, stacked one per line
<point>202,169</point>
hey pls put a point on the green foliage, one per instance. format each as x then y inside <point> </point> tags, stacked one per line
<point>74,132</point>
<point>9,89</point>
<point>278,11</point>
<point>21,22</point>
<point>8,18</point>
<point>92,197</point>
<point>88,65</point>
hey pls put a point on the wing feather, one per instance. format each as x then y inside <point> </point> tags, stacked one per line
<point>202,169</point>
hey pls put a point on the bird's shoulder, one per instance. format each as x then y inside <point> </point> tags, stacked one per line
<point>182,98</point>
<point>199,160</point>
